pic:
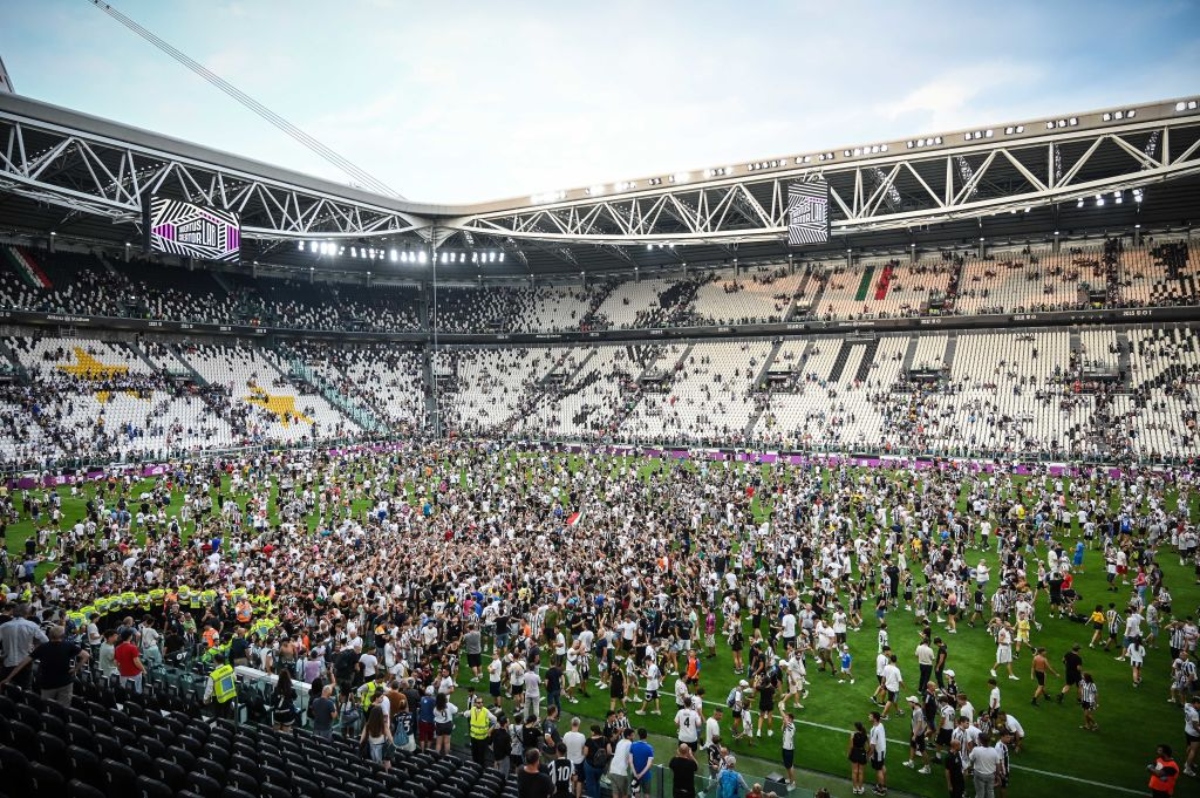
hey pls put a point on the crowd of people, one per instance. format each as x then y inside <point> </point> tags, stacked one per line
<point>528,584</point>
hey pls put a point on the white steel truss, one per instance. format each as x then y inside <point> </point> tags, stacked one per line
<point>94,174</point>
<point>92,166</point>
<point>886,191</point>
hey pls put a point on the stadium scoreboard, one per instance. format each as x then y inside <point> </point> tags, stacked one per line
<point>188,230</point>
<point>808,212</point>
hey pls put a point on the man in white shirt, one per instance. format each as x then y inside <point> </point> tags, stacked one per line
<point>877,752</point>
<point>712,727</point>
<point>687,727</point>
<point>892,682</point>
<point>986,763</point>
<point>618,769</point>
<point>575,741</point>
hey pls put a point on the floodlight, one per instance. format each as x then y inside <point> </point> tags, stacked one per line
<point>502,257</point>
<point>1080,203</point>
<point>421,256</point>
<point>1100,200</point>
<point>1131,113</point>
<point>353,252</point>
<point>1179,106</point>
<point>300,245</point>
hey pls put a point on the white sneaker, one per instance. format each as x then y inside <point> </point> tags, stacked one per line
<point>992,673</point>
<point>925,771</point>
<point>907,764</point>
<point>851,681</point>
<point>770,732</point>
<point>640,712</point>
<point>1015,678</point>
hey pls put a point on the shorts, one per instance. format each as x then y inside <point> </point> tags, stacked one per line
<point>425,731</point>
<point>1190,740</point>
<point>1004,655</point>
<point>891,694</point>
<point>620,784</point>
<point>789,758</point>
<point>495,689</point>
<point>518,690</point>
<point>474,660</point>
<point>1073,679</point>
<point>943,737</point>
<point>651,695</point>
<point>1040,676</point>
<point>858,757</point>
<point>878,762</point>
<point>1086,704</point>
<point>918,744</point>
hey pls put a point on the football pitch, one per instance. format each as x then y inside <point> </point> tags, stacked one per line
<point>1058,757</point>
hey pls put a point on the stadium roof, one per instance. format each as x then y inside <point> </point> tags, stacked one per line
<point>84,177</point>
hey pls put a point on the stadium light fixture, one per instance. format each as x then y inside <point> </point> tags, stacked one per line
<point>421,258</point>
<point>681,177</point>
<point>1079,204</point>
<point>1119,197</point>
<point>502,257</point>
<point>300,245</point>
<point>353,252</point>
<point>1099,200</point>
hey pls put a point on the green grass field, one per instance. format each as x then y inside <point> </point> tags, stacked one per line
<point>1059,758</point>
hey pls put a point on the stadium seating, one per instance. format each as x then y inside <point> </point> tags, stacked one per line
<point>115,744</point>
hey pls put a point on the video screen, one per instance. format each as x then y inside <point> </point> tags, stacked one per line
<point>182,228</point>
<point>808,212</point>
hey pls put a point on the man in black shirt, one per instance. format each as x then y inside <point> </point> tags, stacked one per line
<point>956,783</point>
<point>57,658</point>
<point>501,745</point>
<point>1074,671</point>
<point>531,781</point>
<point>683,773</point>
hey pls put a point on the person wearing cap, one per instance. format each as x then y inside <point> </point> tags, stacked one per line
<point>920,730</point>
<point>731,782</point>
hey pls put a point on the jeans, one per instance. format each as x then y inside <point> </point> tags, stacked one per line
<point>554,699</point>
<point>591,779</point>
<point>133,683</point>
<point>985,786</point>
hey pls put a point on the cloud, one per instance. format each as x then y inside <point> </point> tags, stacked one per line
<point>960,97</point>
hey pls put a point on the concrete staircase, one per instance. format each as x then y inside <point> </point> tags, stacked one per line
<point>951,346</point>
<point>909,355</point>
<point>187,367</point>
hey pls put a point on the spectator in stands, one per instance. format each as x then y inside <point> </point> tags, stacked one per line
<point>57,660</point>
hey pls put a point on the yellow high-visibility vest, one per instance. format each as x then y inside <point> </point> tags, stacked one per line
<point>480,723</point>
<point>224,684</point>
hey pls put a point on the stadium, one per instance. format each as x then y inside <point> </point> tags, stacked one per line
<point>314,490</point>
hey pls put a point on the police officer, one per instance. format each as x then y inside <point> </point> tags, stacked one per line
<point>220,689</point>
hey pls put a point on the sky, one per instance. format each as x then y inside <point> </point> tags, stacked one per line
<point>457,101</point>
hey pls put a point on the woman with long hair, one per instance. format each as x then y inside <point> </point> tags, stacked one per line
<point>857,754</point>
<point>406,726</point>
<point>283,703</point>
<point>377,736</point>
<point>443,723</point>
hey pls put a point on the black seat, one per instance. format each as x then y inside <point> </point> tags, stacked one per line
<point>153,788</point>
<point>273,791</point>
<point>45,781</point>
<point>51,750</point>
<point>84,764</point>
<point>55,724</point>
<point>81,735</point>
<point>77,788</point>
<point>245,765</point>
<point>108,747</point>
<point>139,760</point>
<point>241,780</point>
<point>23,737</point>
<point>14,770</point>
<point>232,792</point>
<point>168,773</point>
<point>119,779</point>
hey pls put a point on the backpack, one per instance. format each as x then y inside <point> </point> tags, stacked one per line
<point>601,757</point>
<point>727,785</point>
<point>732,700</point>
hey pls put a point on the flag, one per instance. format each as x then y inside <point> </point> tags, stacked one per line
<point>573,518</point>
